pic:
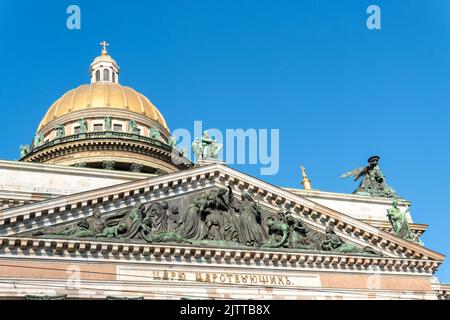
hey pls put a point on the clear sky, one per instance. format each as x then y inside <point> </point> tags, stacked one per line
<point>337,91</point>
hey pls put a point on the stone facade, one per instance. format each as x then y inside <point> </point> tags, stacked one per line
<point>97,268</point>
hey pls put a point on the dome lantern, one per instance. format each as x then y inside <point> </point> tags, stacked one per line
<point>104,68</point>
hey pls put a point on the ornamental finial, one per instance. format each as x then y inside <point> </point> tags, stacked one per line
<point>104,44</point>
<point>305,181</point>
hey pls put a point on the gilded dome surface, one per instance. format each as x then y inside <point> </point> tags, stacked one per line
<point>102,95</point>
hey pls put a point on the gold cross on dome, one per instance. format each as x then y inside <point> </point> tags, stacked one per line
<point>104,44</point>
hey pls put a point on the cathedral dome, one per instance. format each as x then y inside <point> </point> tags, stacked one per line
<point>105,125</point>
<point>100,95</point>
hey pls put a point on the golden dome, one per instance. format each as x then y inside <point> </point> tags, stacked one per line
<point>102,95</point>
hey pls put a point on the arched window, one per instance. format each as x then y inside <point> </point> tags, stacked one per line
<point>105,75</point>
<point>97,75</point>
<point>114,77</point>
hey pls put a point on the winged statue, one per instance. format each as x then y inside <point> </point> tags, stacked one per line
<point>357,173</point>
<point>373,181</point>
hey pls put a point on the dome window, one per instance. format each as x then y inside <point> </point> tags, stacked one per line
<point>113,77</point>
<point>97,75</point>
<point>117,127</point>
<point>105,75</point>
<point>98,127</point>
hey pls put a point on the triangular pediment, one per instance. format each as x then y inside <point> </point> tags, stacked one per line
<point>181,189</point>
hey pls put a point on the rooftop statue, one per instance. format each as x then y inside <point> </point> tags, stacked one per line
<point>83,125</point>
<point>206,147</point>
<point>400,224</point>
<point>173,141</point>
<point>373,181</point>
<point>38,140</point>
<point>133,127</point>
<point>24,150</point>
<point>60,132</point>
<point>155,133</point>
<point>107,123</point>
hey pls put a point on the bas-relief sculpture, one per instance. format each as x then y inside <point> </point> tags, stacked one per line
<point>373,181</point>
<point>214,218</point>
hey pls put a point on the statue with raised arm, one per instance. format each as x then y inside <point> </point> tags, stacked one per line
<point>373,181</point>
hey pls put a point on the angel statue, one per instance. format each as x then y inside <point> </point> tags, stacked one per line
<point>373,181</point>
<point>206,147</point>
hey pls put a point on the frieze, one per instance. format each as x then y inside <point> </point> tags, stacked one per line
<point>214,218</point>
<point>15,220</point>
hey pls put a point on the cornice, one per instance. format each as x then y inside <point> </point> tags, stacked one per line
<point>54,168</point>
<point>119,251</point>
<point>314,193</point>
<point>14,220</point>
<point>54,150</point>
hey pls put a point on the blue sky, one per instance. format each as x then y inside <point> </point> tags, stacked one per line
<point>337,91</point>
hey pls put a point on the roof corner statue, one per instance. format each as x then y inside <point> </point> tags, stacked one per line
<point>206,148</point>
<point>400,225</point>
<point>373,181</point>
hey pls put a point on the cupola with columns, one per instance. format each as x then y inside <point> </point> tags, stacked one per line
<point>104,68</point>
<point>105,125</point>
